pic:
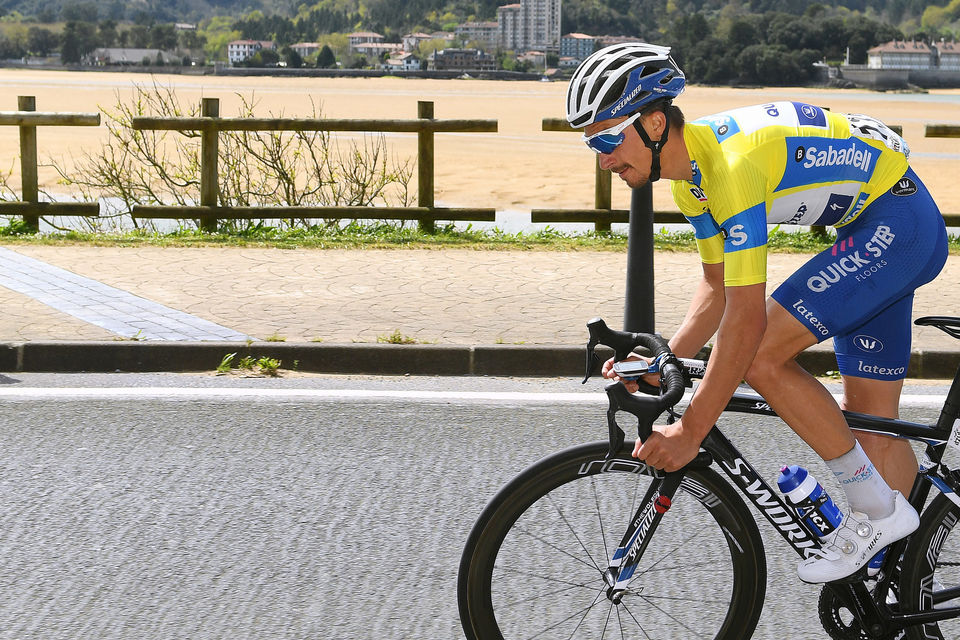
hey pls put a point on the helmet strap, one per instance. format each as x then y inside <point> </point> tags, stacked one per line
<point>654,146</point>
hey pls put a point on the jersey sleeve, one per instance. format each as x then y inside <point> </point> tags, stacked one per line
<point>692,202</point>
<point>738,203</point>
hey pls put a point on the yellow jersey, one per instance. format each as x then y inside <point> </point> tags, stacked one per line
<point>780,163</point>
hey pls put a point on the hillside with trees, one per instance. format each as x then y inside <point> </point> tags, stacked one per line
<point>745,41</point>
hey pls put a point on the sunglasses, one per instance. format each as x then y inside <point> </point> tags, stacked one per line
<point>608,140</point>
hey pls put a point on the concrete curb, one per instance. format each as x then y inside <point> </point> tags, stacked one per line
<point>368,359</point>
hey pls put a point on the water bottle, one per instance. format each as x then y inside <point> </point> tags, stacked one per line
<point>817,510</point>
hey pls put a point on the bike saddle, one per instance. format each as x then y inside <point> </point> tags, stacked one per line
<point>947,324</point>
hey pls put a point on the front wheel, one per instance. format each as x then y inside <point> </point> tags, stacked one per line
<point>533,564</point>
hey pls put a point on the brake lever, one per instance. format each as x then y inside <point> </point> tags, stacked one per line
<point>592,358</point>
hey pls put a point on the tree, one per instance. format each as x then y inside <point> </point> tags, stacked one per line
<point>293,59</point>
<point>79,12</point>
<point>41,41</point>
<point>218,32</point>
<point>263,58</point>
<point>107,32</point>
<point>138,36</point>
<point>192,39</point>
<point>326,59</point>
<point>163,36</point>
<point>79,39</point>
<point>9,49</point>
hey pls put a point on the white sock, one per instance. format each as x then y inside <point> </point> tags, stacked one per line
<point>866,490</point>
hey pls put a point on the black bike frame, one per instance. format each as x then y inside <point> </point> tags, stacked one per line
<point>784,518</point>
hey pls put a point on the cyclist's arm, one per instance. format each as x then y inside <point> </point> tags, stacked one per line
<point>741,329</point>
<point>704,314</point>
<point>739,209</point>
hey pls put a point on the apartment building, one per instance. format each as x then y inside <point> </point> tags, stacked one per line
<point>577,45</point>
<point>902,55</point>
<point>452,59</point>
<point>240,50</point>
<point>530,24</point>
<point>484,33</point>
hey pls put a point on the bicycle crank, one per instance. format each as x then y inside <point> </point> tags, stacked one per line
<point>838,620</point>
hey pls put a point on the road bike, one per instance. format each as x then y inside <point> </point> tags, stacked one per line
<point>592,543</point>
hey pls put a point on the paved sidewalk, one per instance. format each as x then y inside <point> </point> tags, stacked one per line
<point>510,305</point>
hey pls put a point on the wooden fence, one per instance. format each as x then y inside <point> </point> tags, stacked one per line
<point>210,124</point>
<point>28,119</point>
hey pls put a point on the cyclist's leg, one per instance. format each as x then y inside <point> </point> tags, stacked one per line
<point>797,397</point>
<point>873,359</point>
<point>860,292</point>
<point>893,457</point>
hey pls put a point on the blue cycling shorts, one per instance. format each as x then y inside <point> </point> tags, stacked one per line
<point>860,290</point>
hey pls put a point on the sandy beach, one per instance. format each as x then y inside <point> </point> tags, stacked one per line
<point>518,168</point>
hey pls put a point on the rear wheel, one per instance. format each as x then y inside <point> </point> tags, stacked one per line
<point>930,574</point>
<point>533,564</point>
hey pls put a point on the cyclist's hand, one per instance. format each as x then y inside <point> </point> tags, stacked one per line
<point>631,385</point>
<point>669,447</point>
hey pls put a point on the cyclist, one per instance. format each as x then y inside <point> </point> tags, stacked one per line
<point>783,163</point>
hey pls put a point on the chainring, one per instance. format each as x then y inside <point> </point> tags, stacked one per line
<point>837,619</point>
<point>840,623</point>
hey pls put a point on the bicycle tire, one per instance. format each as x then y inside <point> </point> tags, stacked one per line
<point>512,577</point>
<point>930,563</point>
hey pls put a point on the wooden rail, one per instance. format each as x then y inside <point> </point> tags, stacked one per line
<point>210,124</point>
<point>28,119</point>
<point>602,215</point>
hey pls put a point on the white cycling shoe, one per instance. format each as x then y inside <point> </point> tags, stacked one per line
<point>856,541</point>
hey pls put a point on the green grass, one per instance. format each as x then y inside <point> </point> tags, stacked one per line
<point>389,236</point>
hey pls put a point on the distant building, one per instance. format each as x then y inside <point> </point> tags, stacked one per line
<point>363,37</point>
<point>377,49</point>
<point>452,59</point>
<point>107,56</point>
<point>899,64</point>
<point>537,59</point>
<point>902,55</point>
<point>577,45</point>
<point>484,33</point>
<point>948,55</point>
<point>530,24</point>
<point>403,62</point>
<point>509,26</point>
<point>412,40</point>
<point>305,49</point>
<point>240,50</point>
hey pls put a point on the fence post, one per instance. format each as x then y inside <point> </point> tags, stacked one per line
<point>639,308</point>
<point>28,163</point>
<point>209,154</point>
<point>602,198</point>
<point>425,165</point>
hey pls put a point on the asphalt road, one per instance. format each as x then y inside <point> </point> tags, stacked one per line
<point>199,507</point>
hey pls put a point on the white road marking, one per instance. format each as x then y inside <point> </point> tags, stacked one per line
<point>245,394</point>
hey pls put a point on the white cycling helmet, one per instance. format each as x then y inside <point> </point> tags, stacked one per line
<point>620,79</point>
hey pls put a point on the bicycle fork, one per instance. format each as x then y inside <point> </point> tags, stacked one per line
<point>655,504</point>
